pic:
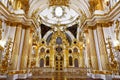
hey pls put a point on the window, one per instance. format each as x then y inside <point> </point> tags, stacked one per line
<point>76,62</point>
<point>75,50</point>
<point>70,61</point>
<point>59,40</point>
<point>42,50</point>
<point>47,61</point>
<point>42,62</point>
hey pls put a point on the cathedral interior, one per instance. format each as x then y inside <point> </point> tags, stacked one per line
<point>59,39</point>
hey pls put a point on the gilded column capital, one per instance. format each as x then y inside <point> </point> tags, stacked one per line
<point>19,25</point>
<point>99,25</point>
<point>12,24</point>
<point>7,23</point>
<point>91,27</point>
<point>32,30</point>
<point>104,24</point>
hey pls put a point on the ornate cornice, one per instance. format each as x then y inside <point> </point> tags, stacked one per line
<point>15,18</point>
<point>105,18</point>
<point>59,2</point>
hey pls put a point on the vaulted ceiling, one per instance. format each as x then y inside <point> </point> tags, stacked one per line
<point>80,6</point>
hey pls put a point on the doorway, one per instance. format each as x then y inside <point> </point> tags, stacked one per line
<point>42,62</point>
<point>76,63</point>
<point>58,62</point>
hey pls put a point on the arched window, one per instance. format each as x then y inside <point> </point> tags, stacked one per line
<point>70,61</point>
<point>75,50</point>
<point>47,61</point>
<point>42,50</point>
<point>76,63</point>
<point>70,51</point>
<point>58,40</point>
<point>42,62</point>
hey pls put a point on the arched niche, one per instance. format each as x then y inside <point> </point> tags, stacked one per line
<point>47,61</point>
<point>70,61</point>
<point>76,63</point>
<point>42,62</point>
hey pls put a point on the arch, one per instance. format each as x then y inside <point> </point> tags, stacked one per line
<point>75,50</point>
<point>42,62</point>
<point>59,40</point>
<point>47,61</point>
<point>48,34</point>
<point>78,5</point>
<point>70,35</point>
<point>76,63</point>
<point>41,49</point>
<point>37,6</point>
<point>70,60</point>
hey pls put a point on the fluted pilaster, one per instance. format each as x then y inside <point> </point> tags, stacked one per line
<point>88,49</point>
<point>93,54</point>
<point>16,48</point>
<point>24,57</point>
<point>30,48</point>
<point>102,47</point>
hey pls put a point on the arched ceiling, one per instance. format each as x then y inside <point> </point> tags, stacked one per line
<point>56,15</point>
<point>80,6</point>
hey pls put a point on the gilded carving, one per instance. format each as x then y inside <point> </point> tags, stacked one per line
<point>112,62</point>
<point>59,2</point>
<point>6,58</point>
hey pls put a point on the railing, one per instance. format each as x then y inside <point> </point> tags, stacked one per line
<point>66,72</point>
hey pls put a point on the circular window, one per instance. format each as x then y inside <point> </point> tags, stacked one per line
<point>43,42</point>
<point>58,11</point>
<point>42,50</point>
<point>75,42</point>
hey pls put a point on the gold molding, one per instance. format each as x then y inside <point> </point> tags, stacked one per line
<point>16,18</point>
<point>102,18</point>
<point>59,2</point>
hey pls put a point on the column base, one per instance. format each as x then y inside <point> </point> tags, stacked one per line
<point>22,76</point>
<point>100,76</point>
<point>12,77</point>
<point>3,76</point>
